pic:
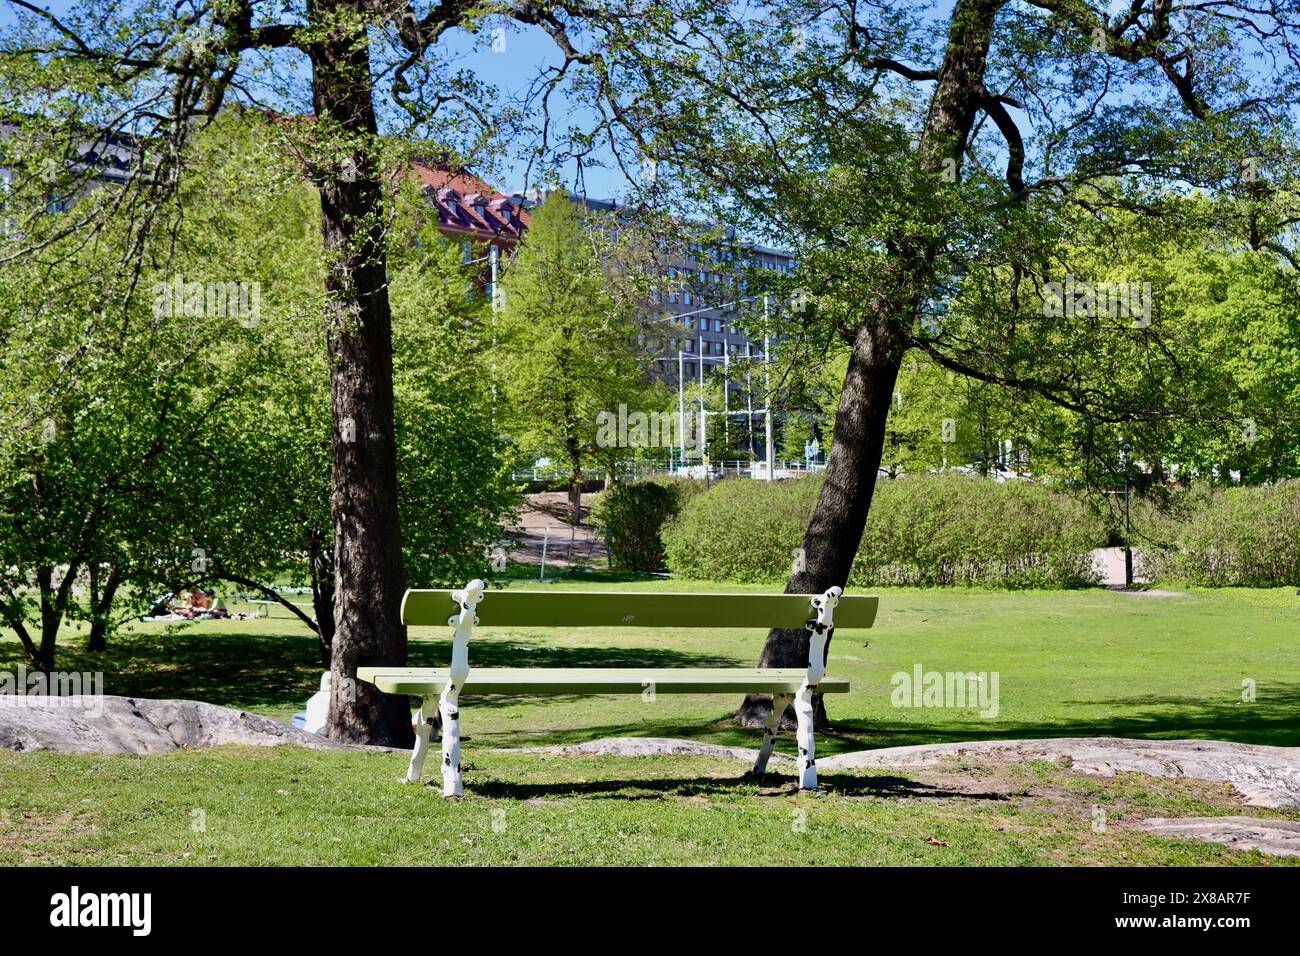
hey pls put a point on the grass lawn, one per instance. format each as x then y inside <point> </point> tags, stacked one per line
<point>1069,663</point>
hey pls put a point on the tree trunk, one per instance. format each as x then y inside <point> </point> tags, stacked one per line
<point>367,540</point>
<point>575,500</point>
<point>101,606</point>
<point>835,529</point>
<point>575,484</point>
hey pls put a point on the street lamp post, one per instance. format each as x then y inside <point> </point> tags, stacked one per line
<point>1128,528</point>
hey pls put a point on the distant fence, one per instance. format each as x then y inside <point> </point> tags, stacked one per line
<point>635,470</point>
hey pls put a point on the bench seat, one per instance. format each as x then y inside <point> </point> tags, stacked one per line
<point>439,688</point>
<point>430,681</point>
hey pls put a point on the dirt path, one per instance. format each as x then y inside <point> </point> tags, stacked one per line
<point>545,520</point>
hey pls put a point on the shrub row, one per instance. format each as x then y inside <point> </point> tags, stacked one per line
<point>1235,537</point>
<point>922,530</point>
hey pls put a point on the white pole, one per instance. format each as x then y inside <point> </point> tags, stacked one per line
<point>493,254</point>
<point>704,435</point>
<point>546,539</point>
<point>767,385</point>
<point>726,398</point>
<point>749,402</point>
<point>681,403</point>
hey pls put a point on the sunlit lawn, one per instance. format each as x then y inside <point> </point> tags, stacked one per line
<point>1069,663</point>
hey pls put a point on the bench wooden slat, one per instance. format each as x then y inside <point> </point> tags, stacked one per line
<point>635,609</point>
<point>428,681</point>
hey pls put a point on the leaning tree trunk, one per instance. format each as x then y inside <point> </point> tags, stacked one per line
<point>367,540</point>
<point>840,516</point>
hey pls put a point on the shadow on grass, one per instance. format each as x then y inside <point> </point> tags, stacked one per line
<point>265,670</point>
<point>266,667</point>
<point>1273,719</point>
<point>768,785</point>
<point>255,670</point>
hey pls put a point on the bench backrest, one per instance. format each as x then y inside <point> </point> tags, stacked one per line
<point>635,609</point>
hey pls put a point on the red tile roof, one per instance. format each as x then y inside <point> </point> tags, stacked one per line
<point>467,206</point>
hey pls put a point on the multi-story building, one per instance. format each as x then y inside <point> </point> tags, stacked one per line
<point>703,290</point>
<point>703,294</point>
<point>703,286</point>
<point>487,223</point>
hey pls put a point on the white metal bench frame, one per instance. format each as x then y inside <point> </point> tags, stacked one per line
<point>820,630</point>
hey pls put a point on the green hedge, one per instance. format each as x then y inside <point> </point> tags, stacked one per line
<point>1236,537</point>
<point>923,530</point>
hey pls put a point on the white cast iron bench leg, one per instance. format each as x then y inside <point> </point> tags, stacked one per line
<point>819,632</point>
<point>449,702</point>
<point>773,724</point>
<point>423,731</point>
<point>452,786</point>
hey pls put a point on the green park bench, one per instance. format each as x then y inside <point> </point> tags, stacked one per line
<point>439,688</point>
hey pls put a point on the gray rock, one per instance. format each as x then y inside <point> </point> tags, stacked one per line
<point>125,725</point>
<point>1264,776</point>
<point>1275,837</point>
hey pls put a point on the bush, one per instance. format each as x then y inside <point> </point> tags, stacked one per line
<point>958,529</point>
<point>922,530</point>
<point>1236,537</point>
<point>741,530</point>
<point>685,488</point>
<point>631,517</point>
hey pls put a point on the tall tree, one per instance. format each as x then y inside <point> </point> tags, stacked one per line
<point>160,70</point>
<point>913,155</point>
<point>84,490</point>
<point>569,354</point>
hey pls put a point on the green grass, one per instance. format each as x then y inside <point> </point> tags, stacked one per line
<point>1082,663</point>
<point>283,806</point>
<point>1079,663</point>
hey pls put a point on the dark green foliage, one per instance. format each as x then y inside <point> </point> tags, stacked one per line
<point>632,517</point>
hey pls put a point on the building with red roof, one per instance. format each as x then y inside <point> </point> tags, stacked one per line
<point>471,210</point>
